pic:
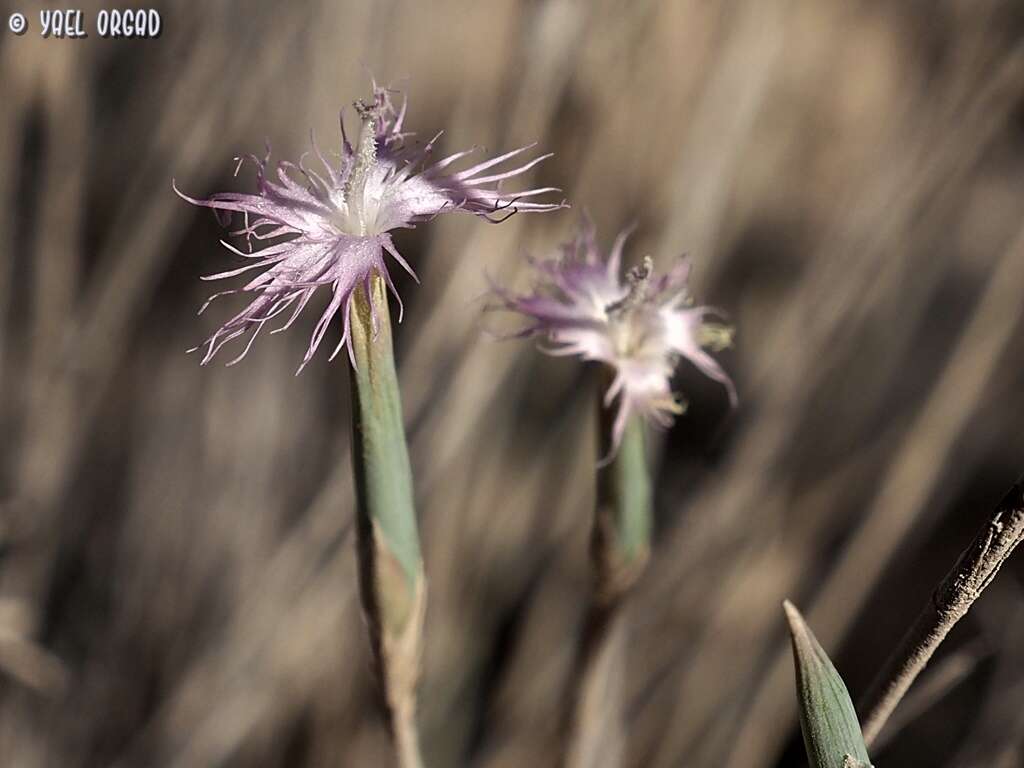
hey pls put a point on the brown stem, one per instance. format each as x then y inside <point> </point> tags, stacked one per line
<point>406,734</point>
<point>593,712</point>
<point>964,583</point>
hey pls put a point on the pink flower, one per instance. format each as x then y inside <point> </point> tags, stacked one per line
<point>640,326</point>
<point>332,228</point>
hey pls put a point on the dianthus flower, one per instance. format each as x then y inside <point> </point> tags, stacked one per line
<point>640,326</point>
<point>332,228</point>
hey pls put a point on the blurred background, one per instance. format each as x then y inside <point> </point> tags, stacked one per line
<point>177,581</point>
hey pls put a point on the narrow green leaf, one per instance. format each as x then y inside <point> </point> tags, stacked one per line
<point>831,731</point>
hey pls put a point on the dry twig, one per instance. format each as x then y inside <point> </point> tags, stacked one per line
<point>974,571</point>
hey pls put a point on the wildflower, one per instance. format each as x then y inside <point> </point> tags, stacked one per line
<point>639,326</point>
<point>333,228</point>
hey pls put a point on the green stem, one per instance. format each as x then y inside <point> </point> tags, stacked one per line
<point>620,547</point>
<point>392,583</point>
<point>623,518</point>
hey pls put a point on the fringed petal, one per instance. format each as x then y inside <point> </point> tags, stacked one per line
<point>307,228</point>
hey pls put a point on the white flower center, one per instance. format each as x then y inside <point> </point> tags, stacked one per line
<point>357,212</point>
<point>635,333</point>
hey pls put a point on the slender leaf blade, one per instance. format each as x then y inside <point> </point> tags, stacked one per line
<point>832,734</point>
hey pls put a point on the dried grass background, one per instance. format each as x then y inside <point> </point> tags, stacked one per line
<point>177,585</point>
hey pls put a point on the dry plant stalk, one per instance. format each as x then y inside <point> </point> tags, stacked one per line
<point>974,570</point>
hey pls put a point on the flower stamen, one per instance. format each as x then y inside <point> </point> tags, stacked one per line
<point>364,161</point>
<point>637,279</point>
<point>715,336</point>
